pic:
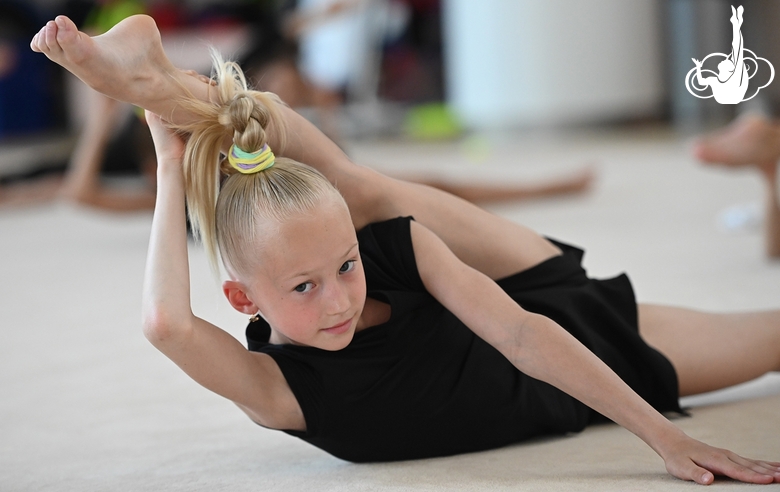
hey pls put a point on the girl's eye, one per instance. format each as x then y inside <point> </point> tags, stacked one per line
<point>347,266</point>
<point>304,287</point>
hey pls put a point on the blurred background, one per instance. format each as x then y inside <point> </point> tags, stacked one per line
<point>417,68</point>
<point>509,98</point>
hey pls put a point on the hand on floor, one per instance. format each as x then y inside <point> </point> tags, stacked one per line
<point>690,459</point>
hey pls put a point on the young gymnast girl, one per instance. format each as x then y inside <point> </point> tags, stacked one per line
<point>436,328</point>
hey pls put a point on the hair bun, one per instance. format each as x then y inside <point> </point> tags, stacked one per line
<point>248,120</point>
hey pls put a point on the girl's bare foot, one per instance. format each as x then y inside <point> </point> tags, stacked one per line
<point>126,63</point>
<point>752,140</point>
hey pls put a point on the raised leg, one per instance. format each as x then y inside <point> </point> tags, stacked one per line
<point>711,351</point>
<point>736,35</point>
<point>129,64</point>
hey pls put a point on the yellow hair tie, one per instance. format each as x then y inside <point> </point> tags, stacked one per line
<point>251,162</point>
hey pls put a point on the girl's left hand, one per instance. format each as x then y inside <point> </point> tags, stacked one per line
<point>689,459</point>
<point>168,145</point>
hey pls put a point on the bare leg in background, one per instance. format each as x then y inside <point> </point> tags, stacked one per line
<point>751,141</point>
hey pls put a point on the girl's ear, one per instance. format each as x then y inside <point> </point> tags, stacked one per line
<point>236,296</point>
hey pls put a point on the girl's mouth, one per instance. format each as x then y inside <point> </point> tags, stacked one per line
<point>340,328</point>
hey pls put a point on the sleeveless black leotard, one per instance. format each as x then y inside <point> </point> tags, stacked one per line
<point>423,384</point>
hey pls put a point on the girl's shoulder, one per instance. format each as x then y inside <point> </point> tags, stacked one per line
<point>398,223</point>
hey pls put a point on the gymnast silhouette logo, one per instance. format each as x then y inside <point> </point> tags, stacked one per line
<point>730,84</point>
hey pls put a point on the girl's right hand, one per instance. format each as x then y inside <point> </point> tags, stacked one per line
<point>168,145</point>
<point>689,459</point>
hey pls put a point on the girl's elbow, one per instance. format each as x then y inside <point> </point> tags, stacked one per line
<point>155,329</point>
<point>159,327</point>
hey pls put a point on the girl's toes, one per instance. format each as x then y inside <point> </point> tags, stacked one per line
<point>43,38</point>
<point>34,42</point>
<point>50,37</point>
<point>66,31</point>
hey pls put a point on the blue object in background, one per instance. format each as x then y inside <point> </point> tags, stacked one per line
<point>26,96</point>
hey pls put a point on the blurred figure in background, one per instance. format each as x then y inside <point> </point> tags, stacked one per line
<point>112,139</point>
<point>752,141</point>
<point>314,53</point>
<point>325,53</point>
<point>82,181</point>
<point>329,52</point>
<point>333,40</point>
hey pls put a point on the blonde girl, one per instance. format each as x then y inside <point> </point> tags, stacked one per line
<point>450,332</point>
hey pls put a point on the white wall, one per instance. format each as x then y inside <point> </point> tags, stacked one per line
<point>532,62</point>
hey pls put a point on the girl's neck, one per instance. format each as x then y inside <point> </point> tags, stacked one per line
<point>374,313</point>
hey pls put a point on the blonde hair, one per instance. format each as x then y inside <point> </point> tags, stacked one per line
<point>226,208</point>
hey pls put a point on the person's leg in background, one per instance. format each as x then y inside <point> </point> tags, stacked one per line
<point>752,141</point>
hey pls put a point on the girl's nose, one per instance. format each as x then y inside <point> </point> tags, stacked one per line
<point>337,298</point>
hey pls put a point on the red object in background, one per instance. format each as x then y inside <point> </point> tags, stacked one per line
<point>424,6</point>
<point>168,15</point>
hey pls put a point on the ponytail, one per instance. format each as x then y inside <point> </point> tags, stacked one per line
<point>225,206</point>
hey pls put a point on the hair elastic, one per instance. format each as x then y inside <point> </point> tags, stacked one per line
<point>251,162</point>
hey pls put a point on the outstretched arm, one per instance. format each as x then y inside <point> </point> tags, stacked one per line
<point>542,349</point>
<point>206,353</point>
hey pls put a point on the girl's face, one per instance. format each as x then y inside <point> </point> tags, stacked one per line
<point>310,285</point>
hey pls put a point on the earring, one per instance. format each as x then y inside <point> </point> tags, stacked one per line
<point>254,318</point>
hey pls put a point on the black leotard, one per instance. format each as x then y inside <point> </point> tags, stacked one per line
<point>423,384</point>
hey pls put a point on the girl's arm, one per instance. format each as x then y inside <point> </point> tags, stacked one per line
<point>542,349</point>
<point>374,197</point>
<point>206,353</point>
